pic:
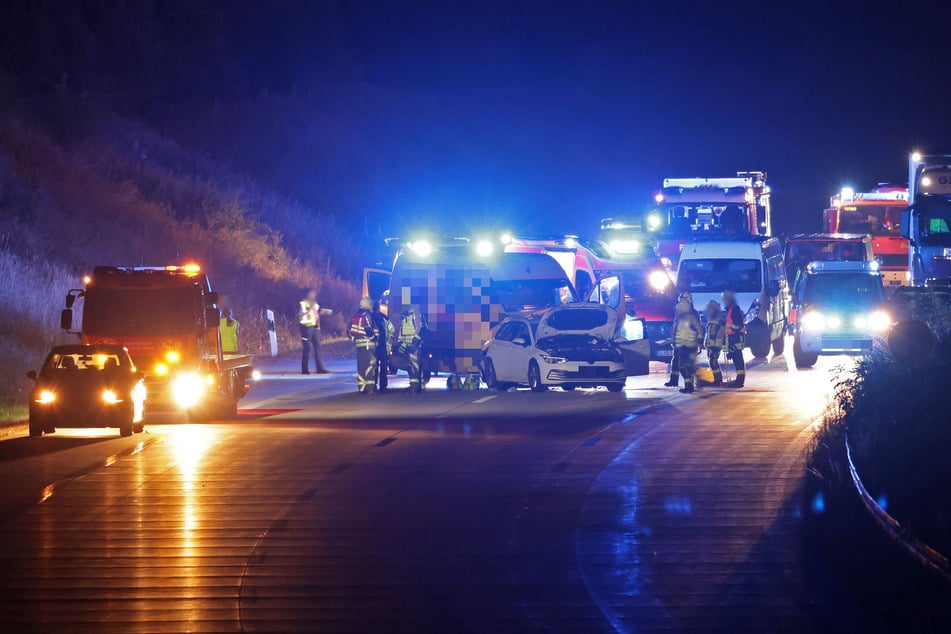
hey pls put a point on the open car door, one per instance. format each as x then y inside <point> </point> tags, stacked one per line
<point>376,283</point>
<point>636,349</point>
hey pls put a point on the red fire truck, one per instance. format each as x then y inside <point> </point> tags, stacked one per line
<point>877,213</point>
<point>168,319</point>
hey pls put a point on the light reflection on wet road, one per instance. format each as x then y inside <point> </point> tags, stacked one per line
<point>645,511</point>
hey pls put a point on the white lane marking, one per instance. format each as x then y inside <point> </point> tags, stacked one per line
<point>484,399</point>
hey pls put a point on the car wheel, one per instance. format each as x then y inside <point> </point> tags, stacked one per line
<point>758,338</point>
<point>488,374</point>
<point>803,359</point>
<point>125,429</point>
<point>615,387</point>
<point>36,429</point>
<point>779,345</point>
<point>535,377</point>
<point>568,387</point>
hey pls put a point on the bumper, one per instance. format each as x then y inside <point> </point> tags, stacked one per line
<point>64,416</point>
<point>839,343</point>
<point>584,374</point>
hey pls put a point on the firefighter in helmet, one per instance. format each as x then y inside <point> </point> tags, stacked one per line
<point>364,337</point>
<point>674,380</point>
<point>687,336</point>
<point>409,341</point>
<point>735,330</point>
<point>714,339</point>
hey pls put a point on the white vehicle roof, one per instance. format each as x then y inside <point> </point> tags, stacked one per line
<point>722,249</point>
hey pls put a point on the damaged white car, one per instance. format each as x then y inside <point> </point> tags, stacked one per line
<point>575,345</point>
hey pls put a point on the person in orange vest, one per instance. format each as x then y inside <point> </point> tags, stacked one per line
<point>735,329</point>
<point>364,336</point>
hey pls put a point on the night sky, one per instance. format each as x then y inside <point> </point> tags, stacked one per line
<point>549,116</point>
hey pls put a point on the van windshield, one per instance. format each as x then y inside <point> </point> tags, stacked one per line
<point>714,275</point>
<point>519,295</point>
<point>849,290</point>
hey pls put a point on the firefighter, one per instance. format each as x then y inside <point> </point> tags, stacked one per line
<point>228,326</point>
<point>735,330</point>
<point>364,337</point>
<point>674,380</point>
<point>385,332</point>
<point>308,314</point>
<point>714,339</point>
<point>688,334</point>
<point>410,341</point>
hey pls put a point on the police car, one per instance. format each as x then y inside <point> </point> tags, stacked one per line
<point>837,309</point>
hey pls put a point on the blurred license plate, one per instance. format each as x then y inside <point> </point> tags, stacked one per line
<point>665,354</point>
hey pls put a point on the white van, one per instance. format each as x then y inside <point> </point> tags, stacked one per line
<point>752,267</point>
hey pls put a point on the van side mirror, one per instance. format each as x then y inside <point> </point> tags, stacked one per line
<point>213,298</point>
<point>31,375</point>
<point>520,341</point>
<point>70,300</point>
<point>66,317</point>
<point>772,288</point>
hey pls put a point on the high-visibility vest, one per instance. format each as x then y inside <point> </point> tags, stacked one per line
<point>229,335</point>
<point>731,325</point>
<point>686,331</point>
<point>361,328</point>
<point>409,328</point>
<point>308,313</point>
<point>713,337</point>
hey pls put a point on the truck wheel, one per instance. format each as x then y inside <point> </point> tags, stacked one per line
<point>758,338</point>
<point>138,428</point>
<point>535,377</point>
<point>36,429</point>
<point>779,345</point>
<point>803,359</point>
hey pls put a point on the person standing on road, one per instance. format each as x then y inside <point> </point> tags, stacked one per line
<point>364,336</point>
<point>688,334</point>
<point>714,339</point>
<point>735,329</point>
<point>228,327</point>
<point>410,339</point>
<point>308,314</point>
<point>674,380</point>
<point>386,332</point>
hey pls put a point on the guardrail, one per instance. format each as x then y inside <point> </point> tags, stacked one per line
<point>925,554</point>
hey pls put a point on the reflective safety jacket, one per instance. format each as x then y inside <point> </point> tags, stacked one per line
<point>229,334</point>
<point>362,331</point>
<point>687,331</point>
<point>715,336</point>
<point>734,321</point>
<point>308,313</point>
<point>410,327</point>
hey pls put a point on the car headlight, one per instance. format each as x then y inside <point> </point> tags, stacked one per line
<point>173,356</point>
<point>187,389</point>
<point>879,321</point>
<point>45,397</point>
<point>813,321</point>
<point>110,397</point>
<point>553,360</point>
<point>659,280</point>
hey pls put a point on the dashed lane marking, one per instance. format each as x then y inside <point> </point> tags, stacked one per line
<point>484,399</point>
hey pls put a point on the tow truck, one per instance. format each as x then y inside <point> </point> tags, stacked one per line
<point>926,223</point>
<point>168,318</point>
<point>692,207</point>
<point>877,213</point>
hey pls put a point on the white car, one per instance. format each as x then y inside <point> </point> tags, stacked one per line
<point>569,346</point>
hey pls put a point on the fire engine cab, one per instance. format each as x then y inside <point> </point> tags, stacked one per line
<point>877,213</point>
<point>692,207</point>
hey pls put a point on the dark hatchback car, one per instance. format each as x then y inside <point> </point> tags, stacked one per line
<point>87,386</point>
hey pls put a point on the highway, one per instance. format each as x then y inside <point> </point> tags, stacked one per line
<point>323,510</point>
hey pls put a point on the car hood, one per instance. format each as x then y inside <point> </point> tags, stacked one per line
<point>572,319</point>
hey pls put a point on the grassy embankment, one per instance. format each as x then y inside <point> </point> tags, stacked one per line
<point>113,191</point>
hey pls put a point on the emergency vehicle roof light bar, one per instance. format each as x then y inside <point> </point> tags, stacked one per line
<point>842,267</point>
<point>187,269</point>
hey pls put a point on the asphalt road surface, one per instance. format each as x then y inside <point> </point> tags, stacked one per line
<point>323,510</point>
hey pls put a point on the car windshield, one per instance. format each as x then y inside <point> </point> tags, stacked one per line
<point>78,362</point>
<point>714,275</point>
<point>858,290</point>
<point>577,319</point>
<point>143,312</point>
<point>520,295</point>
<point>876,220</point>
